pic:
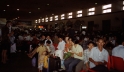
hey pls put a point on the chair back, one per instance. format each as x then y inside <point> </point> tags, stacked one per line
<point>118,63</point>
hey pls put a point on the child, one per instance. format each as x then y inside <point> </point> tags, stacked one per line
<point>42,61</point>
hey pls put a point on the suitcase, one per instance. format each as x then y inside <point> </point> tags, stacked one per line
<point>54,64</point>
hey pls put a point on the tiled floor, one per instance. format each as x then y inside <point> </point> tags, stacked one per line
<point>18,62</point>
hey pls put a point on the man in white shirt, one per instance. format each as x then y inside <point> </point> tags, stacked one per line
<point>77,52</point>
<point>60,47</point>
<point>99,57</point>
<point>118,51</point>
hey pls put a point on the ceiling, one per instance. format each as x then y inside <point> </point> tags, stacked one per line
<point>41,8</point>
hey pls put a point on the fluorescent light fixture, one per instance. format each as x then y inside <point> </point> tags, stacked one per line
<point>51,18</point>
<point>62,16</point>
<point>107,6</point>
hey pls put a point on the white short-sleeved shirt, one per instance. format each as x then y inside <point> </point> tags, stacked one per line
<point>61,45</point>
<point>98,56</point>
<point>77,49</point>
<point>49,40</point>
<point>118,51</point>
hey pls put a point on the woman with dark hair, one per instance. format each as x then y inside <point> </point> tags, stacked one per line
<point>5,41</point>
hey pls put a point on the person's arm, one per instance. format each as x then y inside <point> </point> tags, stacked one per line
<point>33,52</point>
<point>96,63</point>
<point>80,53</point>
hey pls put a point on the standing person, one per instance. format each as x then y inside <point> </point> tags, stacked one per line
<point>42,61</point>
<point>99,57</point>
<point>42,48</point>
<point>84,64</point>
<point>13,44</point>
<point>5,41</point>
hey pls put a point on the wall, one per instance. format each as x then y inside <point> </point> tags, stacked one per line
<point>115,17</point>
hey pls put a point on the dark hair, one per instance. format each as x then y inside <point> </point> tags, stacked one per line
<point>100,39</point>
<point>60,36</point>
<point>49,42</point>
<point>42,42</point>
<point>75,41</point>
<point>91,43</point>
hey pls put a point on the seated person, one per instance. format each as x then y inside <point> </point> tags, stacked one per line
<point>118,51</point>
<point>68,45</point>
<point>77,56</point>
<point>99,57</point>
<point>60,47</point>
<point>84,64</point>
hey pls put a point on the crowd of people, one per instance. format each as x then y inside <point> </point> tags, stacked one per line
<point>77,51</point>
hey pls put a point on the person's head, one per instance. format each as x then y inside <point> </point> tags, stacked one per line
<point>90,45</point>
<point>60,38</point>
<point>48,43</point>
<point>66,38</point>
<point>75,41</point>
<point>48,37</point>
<point>41,42</point>
<point>8,23</point>
<point>100,42</point>
<point>43,36</point>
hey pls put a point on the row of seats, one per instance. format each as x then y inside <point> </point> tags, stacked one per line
<point>114,63</point>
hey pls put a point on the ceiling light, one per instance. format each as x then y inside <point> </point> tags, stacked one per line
<point>29,12</point>
<point>47,4</point>
<point>95,3</point>
<point>52,14</point>
<point>15,18</point>
<point>17,9</point>
<point>38,8</point>
<point>4,10</point>
<point>7,5</point>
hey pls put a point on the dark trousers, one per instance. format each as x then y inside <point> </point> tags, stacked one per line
<point>100,68</point>
<point>70,63</point>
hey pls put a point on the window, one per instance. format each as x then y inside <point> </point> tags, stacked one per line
<point>46,19</point>
<point>39,20</point>
<point>62,16</point>
<point>91,11</point>
<point>69,15</point>
<point>56,17</point>
<point>51,18</point>
<point>35,21</point>
<point>123,6</point>
<point>84,27</point>
<point>42,19</point>
<point>107,8</point>
<point>79,13</point>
